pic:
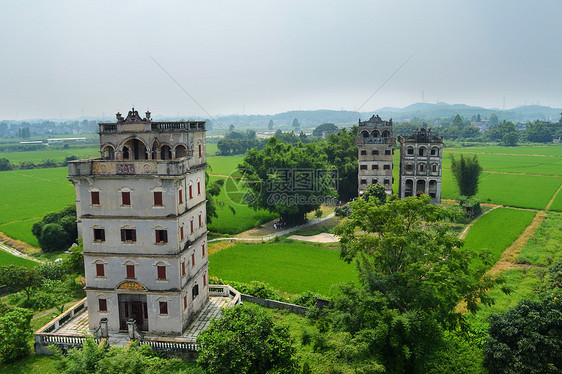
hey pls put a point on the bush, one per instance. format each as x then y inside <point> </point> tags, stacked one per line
<point>525,339</point>
<point>57,230</point>
<point>246,341</point>
<point>15,334</point>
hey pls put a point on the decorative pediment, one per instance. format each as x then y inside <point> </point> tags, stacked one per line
<point>133,117</point>
<point>131,285</point>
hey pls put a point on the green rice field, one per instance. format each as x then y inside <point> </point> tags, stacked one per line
<point>27,195</point>
<point>223,165</point>
<point>496,230</point>
<point>53,154</point>
<point>289,267</point>
<point>9,259</point>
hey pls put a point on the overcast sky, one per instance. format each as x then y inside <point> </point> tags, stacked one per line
<point>65,59</point>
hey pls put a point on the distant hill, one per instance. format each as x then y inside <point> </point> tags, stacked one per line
<point>310,118</point>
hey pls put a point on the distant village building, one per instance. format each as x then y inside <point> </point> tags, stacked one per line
<point>142,217</point>
<point>65,140</point>
<point>375,144</point>
<point>421,158</point>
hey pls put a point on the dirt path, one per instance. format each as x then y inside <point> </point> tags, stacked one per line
<point>553,197</point>
<point>319,238</point>
<point>509,256</point>
<point>15,252</point>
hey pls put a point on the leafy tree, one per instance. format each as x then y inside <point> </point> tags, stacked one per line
<point>525,339</point>
<point>296,124</point>
<point>497,132</point>
<point>246,341</point>
<point>328,128</point>
<point>342,155</point>
<point>510,139</point>
<point>15,334</point>
<point>57,230</point>
<point>467,173</point>
<point>270,125</point>
<point>20,278</point>
<point>457,122</point>
<point>290,180</point>
<point>494,120</point>
<point>404,252</point>
<point>5,164</point>
<point>375,192</point>
<point>538,132</point>
<point>213,189</point>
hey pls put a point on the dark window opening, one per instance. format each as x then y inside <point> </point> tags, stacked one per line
<point>374,167</point>
<point>161,272</point>
<point>181,196</point>
<point>161,236</point>
<point>128,235</point>
<point>363,181</point>
<point>158,198</point>
<point>363,152</point>
<point>387,152</point>
<point>102,305</point>
<point>195,291</point>
<point>386,167</point>
<point>163,307</point>
<point>362,167</point>
<point>99,235</point>
<point>100,270</point>
<point>95,197</point>
<point>126,198</point>
<point>130,271</point>
<point>375,152</point>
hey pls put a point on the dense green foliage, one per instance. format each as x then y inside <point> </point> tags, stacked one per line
<point>19,278</point>
<point>57,231</point>
<point>236,143</point>
<point>212,190</point>
<point>407,254</point>
<point>377,192</point>
<point>273,176</point>
<point>15,333</point>
<point>92,358</point>
<point>325,129</point>
<point>467,173</point>
<point>246,341</point>
<point>526,339</point>
<point>342,156</point>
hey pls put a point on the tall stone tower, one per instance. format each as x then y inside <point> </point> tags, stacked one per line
<point>421,157</point>
<point>375,145</point>
<point>141,215</point>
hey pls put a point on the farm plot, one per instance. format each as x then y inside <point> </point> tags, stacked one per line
<point>495,231</point>
<point>522,191</point>
<point>244,217</point>
<point>289,267</point>
<point>9,259</point>
<point>57,155</point>
<point>223,165</point>
<point>27,195</point>
<point>541,165</point>
<point>545,150</point>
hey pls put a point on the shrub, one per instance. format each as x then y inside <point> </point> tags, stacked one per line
<point>15,333</point>
<point>246,341</point>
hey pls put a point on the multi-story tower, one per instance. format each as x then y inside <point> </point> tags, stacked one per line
<point>141,215</point>
<point>375,145</point>
<point>421,156</point>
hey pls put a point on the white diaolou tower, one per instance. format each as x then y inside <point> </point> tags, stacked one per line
<point>141,215</point>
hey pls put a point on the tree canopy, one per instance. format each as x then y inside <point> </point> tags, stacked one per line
<point>290,180</point>
<point>407,254</point>
<point>245,340</point>
<point>325,128</point>
<point>466,171</point>
<point>56,231</point>
<point>15,334</point>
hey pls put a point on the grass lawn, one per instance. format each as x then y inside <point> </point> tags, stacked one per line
<point>291,267</point>
<point>31,365</point>
<point>7,259</point>
<point>496,231</point>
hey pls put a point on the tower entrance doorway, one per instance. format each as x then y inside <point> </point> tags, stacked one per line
<point>133,307</point>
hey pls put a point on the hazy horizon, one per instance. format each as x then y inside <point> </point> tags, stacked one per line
<point>71,59</point>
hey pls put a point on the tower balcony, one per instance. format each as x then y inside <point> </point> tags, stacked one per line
<point>147,126</point>
<point>101,167</point>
